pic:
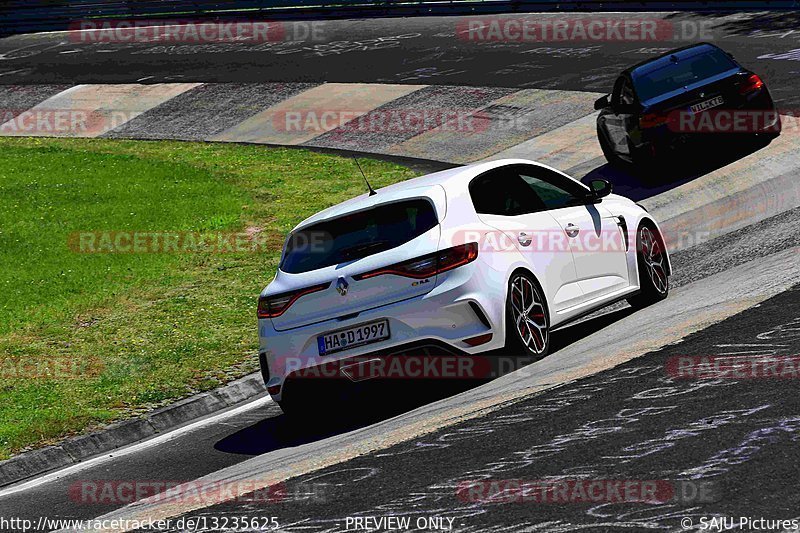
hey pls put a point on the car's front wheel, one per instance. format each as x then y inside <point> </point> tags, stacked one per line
<point>653,275</point>
<point>527,320</point>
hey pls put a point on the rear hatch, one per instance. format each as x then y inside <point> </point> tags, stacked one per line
<point>691,84</point>
<point>718,93</point>
<point>337,250</point>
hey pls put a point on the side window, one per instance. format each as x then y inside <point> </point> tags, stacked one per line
<point>503,192</point>
<point>520,189</point>
<point>553,190</point>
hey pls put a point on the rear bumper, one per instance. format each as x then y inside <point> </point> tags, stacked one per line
<point>756,118</point>
<point>459,308</point>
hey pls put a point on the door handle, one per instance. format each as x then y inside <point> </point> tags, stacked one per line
<point>524,239</point>
<point>572,230</point>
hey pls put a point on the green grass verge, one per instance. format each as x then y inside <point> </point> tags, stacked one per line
<point>129,332</point>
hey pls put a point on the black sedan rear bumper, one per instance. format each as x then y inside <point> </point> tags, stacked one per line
<point>758,118</point>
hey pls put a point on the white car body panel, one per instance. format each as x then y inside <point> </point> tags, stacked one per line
<point>561,284</point>
<point>574,282</point>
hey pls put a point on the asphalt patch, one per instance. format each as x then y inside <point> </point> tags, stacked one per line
<point>636,422</point>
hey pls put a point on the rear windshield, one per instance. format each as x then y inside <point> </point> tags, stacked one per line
<point>687,71</point>
<point>357,235</point>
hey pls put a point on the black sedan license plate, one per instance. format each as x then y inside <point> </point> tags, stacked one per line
<point>345,339</point>
<point>707,104</point>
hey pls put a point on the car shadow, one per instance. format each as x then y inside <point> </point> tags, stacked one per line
<point>355,407</point>
<point>689,164</point>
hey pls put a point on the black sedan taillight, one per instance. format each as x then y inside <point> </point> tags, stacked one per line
<point>751,84</point>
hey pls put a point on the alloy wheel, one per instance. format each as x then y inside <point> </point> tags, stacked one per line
<point>528,314</point>
<point>653,257</point>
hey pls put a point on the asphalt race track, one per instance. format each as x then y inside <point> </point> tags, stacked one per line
<point>265,429</point>
<point>633,422</point>
<point>603,406</point>
<point>429,50</point>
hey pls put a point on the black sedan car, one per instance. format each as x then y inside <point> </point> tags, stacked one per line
<point>686,94</point>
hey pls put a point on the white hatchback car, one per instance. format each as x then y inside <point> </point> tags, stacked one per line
<point>468,260</point>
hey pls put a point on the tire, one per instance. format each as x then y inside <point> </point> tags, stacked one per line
<point>295,403</point>
<point>643,162</point>
<point>526,307</point>
<point>640,165</point>
<point>611,156</point>
<point>292,409</point>
<point>652,261</point>
<point>302,399</point>
<point>651,170</point>
<point>764,139</point>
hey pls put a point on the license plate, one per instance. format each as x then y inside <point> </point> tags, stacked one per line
<point>707,104</point>
<point>345,339</point>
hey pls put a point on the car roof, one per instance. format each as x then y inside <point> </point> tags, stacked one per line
<point>663,60</point>
<point>453,178</point>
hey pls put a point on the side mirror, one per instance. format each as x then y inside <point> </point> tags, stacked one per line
<point>600,188</point>
<point>602,102</point>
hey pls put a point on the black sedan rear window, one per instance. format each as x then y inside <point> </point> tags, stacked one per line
<point>357,235</point>
<point>686,71</point>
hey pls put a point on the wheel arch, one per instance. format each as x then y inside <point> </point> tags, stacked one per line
<point>649,222</point>
<point>508,319</point>
<point>535,278</point>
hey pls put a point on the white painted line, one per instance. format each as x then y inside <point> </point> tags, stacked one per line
<point>134,448</point>
<point>12,72</point>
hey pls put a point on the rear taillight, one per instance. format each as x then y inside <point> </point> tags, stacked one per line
<point>652,120</point>
<point>752,84</point>
<point>428,265</point>
<point>276,304</point>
